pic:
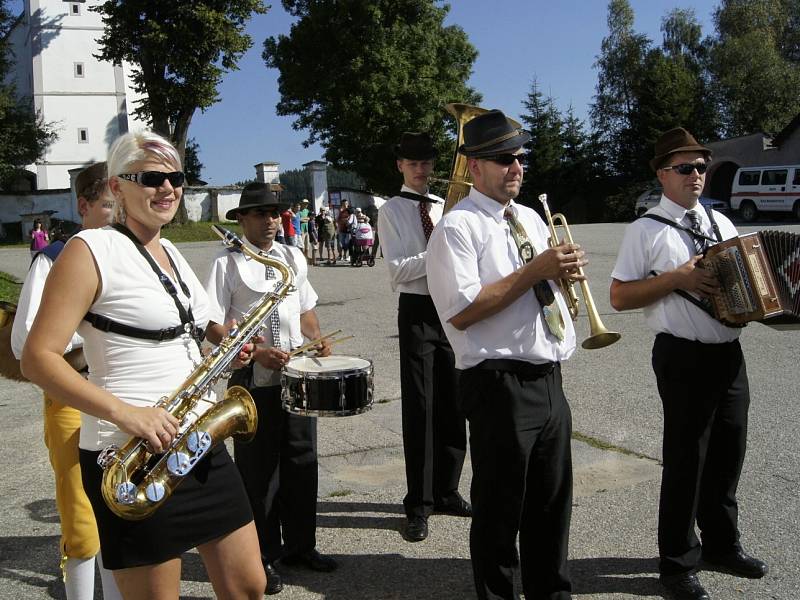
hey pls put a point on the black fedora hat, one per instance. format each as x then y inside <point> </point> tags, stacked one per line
<point>415,146</point>
<point>492,133</point>
<point>256,195</point>
<point>675,140</point>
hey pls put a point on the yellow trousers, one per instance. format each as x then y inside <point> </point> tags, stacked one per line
<point>79,537</point>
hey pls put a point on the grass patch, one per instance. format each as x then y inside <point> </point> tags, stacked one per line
<point>339,493</point>
<point>10,287</point>
<point>196,232</point>
<point>601,445</point>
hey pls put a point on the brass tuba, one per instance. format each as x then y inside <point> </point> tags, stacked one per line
<point>599,336</point>
<point>460,181</point>
<point>136,481</point>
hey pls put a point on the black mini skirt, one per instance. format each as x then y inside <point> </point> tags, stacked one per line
<point>209,503</point>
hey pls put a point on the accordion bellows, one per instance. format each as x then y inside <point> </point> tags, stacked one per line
<point>759,277</point>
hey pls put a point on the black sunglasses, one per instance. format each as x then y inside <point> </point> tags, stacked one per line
<point>687,168</point>
<point>155,179</point>
<point>505,159</point>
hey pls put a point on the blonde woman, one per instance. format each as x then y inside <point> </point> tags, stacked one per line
<point>126,285</point>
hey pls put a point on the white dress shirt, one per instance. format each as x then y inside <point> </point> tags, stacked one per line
<point>28,305</point>
<point>403,241</point>
<point>649,245</point>
<point>237,282</point>
<point>471,247</point>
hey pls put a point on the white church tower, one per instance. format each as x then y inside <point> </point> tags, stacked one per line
<point>88,102</point>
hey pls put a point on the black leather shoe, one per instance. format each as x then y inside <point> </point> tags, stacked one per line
<point>455,506</point>
<point>312,560</point>
<point>685,586</point>
<point>274,583</point>
<point>736,563</point>
<point>416,529</point>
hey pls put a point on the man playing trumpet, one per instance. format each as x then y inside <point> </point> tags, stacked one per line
<point>492,278</point>
<point>279,466</point>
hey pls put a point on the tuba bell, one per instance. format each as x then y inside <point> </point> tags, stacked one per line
<point>599,336</point>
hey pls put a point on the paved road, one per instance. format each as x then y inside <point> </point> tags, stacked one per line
<point>614,402</point>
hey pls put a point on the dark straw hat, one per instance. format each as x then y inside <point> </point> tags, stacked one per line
<point>256,195</point>
<point>88,181</point>
<point>492,133</point>
<point>675,140</point>
<point>415,146</point>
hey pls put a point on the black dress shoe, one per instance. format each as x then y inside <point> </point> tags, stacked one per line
<point>312,560</point>
<point>416,529</point>
<point>736,563</point>
<point>684,586</point>
<point>274,583</point>
<point>455,506</point>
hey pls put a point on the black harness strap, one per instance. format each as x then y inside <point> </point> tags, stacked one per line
<point>187,318</point>
<point>682,293</point>
<point>417,197</point>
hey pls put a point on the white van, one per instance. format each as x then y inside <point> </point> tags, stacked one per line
<point>764,189</point>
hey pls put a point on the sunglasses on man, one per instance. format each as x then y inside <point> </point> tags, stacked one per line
<point>504,159</point>
<point>155,179</point>
<point>687,168</point>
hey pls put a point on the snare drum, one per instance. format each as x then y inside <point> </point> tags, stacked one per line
<point>330,386</point>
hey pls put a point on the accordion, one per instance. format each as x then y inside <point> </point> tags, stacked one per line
<point>759,279</point>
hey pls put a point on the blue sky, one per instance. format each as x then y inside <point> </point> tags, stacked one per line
<point>556,42</point>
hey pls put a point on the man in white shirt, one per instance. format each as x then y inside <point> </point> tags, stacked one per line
<point>434,432</point>
<point>699,367</point>
<point>279,466</point>
<point>493,280</point>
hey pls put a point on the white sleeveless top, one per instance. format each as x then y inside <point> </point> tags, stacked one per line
<point>137,371</point>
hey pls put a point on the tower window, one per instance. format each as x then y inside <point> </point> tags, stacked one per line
<point>74,8</point>
<point>83,136</point>
<point>78,69</point>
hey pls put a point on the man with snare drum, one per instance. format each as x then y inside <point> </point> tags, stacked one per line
<point>279,467</point>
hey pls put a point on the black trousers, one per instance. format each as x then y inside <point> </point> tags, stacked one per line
<point>705,395</point>
<point>279,470</point>
<point>520,426</point>
<point>434,430</point>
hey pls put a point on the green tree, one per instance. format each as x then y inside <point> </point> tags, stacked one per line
<point>355,74</point>
<point>24,138</point>
<point>179,52</point>
<point>755,61</point>
<point>620,67</point>
<point>543,161</point>
<point>192,166</point>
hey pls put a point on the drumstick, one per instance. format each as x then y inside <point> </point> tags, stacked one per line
<point>313,343</point>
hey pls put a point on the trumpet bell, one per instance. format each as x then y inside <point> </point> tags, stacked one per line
<point>600,340</point>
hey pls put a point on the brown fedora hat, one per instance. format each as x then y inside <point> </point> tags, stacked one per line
<point>256,195</point>
<point>492,133</point>
<point>415,146</point>
<point>675,140</point>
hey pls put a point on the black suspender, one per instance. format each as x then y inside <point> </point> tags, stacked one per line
<point>187,318</point>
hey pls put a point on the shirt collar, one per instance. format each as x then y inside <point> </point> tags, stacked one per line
<point>676,211</point>
<point>490,206</point>
<point>405,188</point>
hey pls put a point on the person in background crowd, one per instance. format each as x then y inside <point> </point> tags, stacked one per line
<point>434,431</point>
<point>327,235</point>
<point>287,220</point>
<point>305,216</point>
<point>699,368</point>
<point>80,543</point>
<point>312,240</point>
<point>363,240</point>
<point>39,238</point>
<point>297,224</point>
<point>343,228</point>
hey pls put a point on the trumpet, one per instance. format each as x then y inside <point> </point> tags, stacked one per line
<point>599,336</point>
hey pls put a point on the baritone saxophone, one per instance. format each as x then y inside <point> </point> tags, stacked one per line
<point>135,480</point>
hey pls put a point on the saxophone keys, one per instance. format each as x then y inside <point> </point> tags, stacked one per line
<point>179,463</point>
<point>155,491</point>
<point>126,493</point>
<point>198,442</point>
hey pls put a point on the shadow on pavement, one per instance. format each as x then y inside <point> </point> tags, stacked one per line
<point>637,577</point>
<point>34,561</point>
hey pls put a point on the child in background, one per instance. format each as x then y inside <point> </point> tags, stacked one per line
<point>363,240</point>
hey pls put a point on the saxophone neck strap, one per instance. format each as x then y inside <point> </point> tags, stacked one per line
<point>187,318</point>
<point>417,197</point>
